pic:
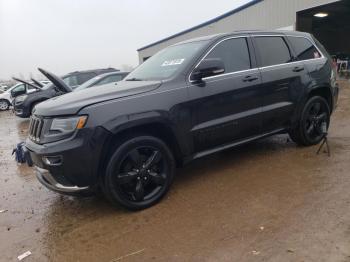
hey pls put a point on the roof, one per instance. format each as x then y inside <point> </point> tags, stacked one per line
<point>240,33</point>
<point>216,19</point>
<point>109,69</point>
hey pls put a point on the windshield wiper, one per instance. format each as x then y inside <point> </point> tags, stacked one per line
<point>134,79</point>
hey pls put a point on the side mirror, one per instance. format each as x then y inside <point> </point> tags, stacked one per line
<point>208,67</point>
<point>15,93</point>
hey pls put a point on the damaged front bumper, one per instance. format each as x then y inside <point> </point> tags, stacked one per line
<point>51,183</point>
<point>70,165</point>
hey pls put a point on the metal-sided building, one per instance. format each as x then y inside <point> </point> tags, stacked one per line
<point>328,20</point>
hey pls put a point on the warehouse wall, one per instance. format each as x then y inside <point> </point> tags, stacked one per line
<point>268,14</point>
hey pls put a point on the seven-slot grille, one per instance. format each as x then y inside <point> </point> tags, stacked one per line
<point>35,128</point>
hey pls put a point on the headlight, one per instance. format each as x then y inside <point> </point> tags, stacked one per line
<point>67,125</point>
<point>20,99</point>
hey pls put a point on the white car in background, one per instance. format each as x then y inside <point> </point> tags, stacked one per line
<point>6,99</point>
<point>3,88</point>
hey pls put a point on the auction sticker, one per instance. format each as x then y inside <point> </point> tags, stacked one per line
<point>173,62</point>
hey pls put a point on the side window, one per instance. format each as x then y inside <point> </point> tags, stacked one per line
<point>234,53</point>
<point>110,79</point>
<point>272,50</point>
<point>85,77</point>
<point>71,81</point>
<point>303,48</point>
<point>30,88</point>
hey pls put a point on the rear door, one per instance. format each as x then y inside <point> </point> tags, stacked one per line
<point>227,107</point>
<point>282,80</point>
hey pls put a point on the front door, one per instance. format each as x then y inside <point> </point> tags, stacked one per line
<point>227,108</point>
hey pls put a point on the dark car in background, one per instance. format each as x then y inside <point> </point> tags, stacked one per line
<point>25,102</point>
<point>187,101</point>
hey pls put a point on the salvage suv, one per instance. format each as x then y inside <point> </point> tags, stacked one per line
<point>187,101</point>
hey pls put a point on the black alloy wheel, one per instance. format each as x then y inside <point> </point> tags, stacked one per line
<point>139,173</point>
<point>314,122</point>
<point>316,117</point>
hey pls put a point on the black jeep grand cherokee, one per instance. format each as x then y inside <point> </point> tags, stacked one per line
<point>187,101</point>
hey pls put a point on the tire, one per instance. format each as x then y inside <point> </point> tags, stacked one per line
<point>139,173</point>
<point>4,105</point>
<point>309,128</point>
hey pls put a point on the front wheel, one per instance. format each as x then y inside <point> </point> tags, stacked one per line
<point>4,105</point>
<point>139,172</point>
<point>314,118</point>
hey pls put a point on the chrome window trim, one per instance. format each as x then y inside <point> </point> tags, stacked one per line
<point>232,73</point>
<point>291,63</point>
<point>262,67</point>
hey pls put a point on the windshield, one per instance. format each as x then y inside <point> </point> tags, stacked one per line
<point>19,85</point>
<point>167,62</point>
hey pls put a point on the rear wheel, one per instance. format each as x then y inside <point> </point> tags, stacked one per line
<point>4,105</point>
<point>314,117</point>
<point>139,172</point>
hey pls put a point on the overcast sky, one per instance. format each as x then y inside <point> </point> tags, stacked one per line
<point>67,35</point>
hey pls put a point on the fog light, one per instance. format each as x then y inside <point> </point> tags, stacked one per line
<point>52,160</point>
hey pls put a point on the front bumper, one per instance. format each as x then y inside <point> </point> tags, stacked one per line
<point>50,182</point>
<point>70,165</point>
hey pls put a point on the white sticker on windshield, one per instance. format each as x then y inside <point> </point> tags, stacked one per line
<point>173,62</point>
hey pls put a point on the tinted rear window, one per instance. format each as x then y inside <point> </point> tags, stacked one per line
<point>272,50</point>
<point>303,48</point>
<point>234,53</point>
<point>83,77</point>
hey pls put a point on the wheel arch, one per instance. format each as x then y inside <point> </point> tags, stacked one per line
<point>322,91</point>
<point>5,99</point>
<point>155,127</point>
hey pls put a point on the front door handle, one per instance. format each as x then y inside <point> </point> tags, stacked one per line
<point>250,78</point>
<point>298,69</point>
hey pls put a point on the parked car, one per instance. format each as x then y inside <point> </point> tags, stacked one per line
<point>3,88</point>
<point>187,101</point>
<point>6,99</point>
<point>103,80</point>
<point>25,103</point>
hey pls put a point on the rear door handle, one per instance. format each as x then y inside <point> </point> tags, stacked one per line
<point>298,69</point>
<point>250,78</point>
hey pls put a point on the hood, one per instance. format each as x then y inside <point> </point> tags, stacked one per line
<point>27,83</point>
<point>57,81</point>
<point>72,103</point>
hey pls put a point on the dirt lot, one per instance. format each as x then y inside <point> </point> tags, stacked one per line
<point>266,201</point>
